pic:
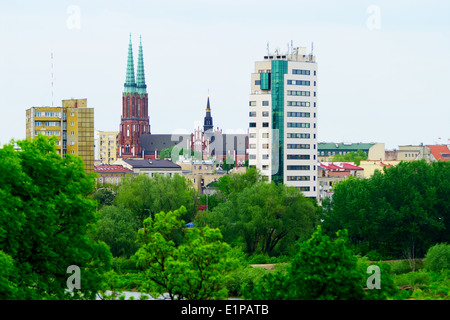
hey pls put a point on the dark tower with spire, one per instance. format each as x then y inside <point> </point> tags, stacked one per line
<point>208,122</point>
<point>134,121</point>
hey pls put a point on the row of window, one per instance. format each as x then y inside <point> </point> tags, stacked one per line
<point>299,93</point>
<point>253,124</point>
<point>299,114</point>
<point>253,113</point>
<point>48,133</point>
<point>289,125</point>
<point>289,103</point>
<point>289,157</point>
<point>47,123</point>
<point>303,167</point>
<point>300,82</point>
<point>47,114</point>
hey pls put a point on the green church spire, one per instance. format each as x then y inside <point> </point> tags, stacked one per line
<point>140,76</point>
<point>130,84</point>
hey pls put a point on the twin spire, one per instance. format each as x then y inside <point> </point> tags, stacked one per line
<point>138,85</point>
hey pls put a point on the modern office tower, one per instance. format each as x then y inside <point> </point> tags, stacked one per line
<point>134,121</point>
<point>72,124</point>
<point>283,119</point>
<point>106,144</point>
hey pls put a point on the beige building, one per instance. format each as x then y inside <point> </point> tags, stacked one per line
<point>72,125</point>
<point>200,173</point>
<point>410,153</point>
<point>106,144</point>
<point>370,166</point>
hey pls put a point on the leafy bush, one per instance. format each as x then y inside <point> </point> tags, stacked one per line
<point>400,267</point>
<point>244,277</point>
<point>412,278</point>
<point>438,257</point>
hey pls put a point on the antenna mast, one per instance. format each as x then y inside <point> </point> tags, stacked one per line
<point>52,75</point>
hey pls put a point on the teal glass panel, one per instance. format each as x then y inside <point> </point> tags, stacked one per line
<point>279,69</point>
<point>265,81</point>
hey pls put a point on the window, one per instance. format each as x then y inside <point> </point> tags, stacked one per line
<point>37,123</point>
<point>265,125</point>
<point>304,72</point>
<point>304,188</point>
<point>265,167</point>
<point>298,93</point>
<point>265,156</point>
<point>72,114</point>
<point>258,82</point>
<point>298,167</point>
<point>298,178</point>
<point>298,103</point>
<point>265,135</point>
<point>298,146</point>
<point>265,146</point>
<point>252,114</point>
<point>298,135</point>
<point>72,133</point>
<point>298,114</point>
<point>298,125</point>
<point>298,156</point>
<point>252,103</point>
<point>72,124</point>
<point>299,82</point>
<point>252,135</point>
<point>265,113</point>
<point>252,146</point>
<point>252,124</point>
<point>252,156</point>
<point>265,103</point>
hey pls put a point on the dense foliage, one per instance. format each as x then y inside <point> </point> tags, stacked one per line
<point>397,213</point>
<point>45,218</point>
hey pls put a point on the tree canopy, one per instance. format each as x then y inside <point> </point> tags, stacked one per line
<point>45,218</point>
<point>397,213</point>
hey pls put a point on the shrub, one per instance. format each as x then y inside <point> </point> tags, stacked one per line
<point>438,257</point>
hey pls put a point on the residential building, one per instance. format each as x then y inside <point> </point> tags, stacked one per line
<point>440,152</point>
<point>150,166</point>
<point>106,144</point>
<point>283,119</point>
<point>370,166</point>
<point>330,173</point>
<point>113,174</point>
<point>72,124</point>
<point>201,173</point>
<point>373,151</point>
<point>135,120</point>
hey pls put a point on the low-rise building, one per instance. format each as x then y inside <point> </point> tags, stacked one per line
<point>113,174</point>
<point>327,150</point>
<point>201,173</point>
<point>150,166</point>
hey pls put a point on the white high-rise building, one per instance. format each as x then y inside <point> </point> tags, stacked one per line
<point>283,119</point>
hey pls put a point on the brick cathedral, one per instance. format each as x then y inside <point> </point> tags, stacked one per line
<point>135,120</point>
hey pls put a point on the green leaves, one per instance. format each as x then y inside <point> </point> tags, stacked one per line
<point>402,209</point>
<point>196,269</point>
<point>45,215</point>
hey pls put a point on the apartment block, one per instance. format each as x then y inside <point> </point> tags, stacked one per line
<point>106,144</point>
<point>283,119</point>
<point>72,124</point>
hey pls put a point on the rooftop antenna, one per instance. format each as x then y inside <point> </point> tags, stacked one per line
<point>292,45</point>
<point>268,52</point>
<point>52,75</point>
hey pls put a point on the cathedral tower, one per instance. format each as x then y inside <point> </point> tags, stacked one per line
<point>134,120</point>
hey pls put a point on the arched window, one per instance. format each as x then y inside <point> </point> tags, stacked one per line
<point>128,107</point>
<point>132,108</point>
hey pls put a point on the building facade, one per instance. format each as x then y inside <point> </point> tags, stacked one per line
<point>373,151</point>
<point>106,144</point>
<point>111,174</point>
<point>135,120</point>
<point>72,124</point>
<point>283,119</point>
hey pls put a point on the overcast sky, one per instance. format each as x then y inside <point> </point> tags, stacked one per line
<point>383,65</point>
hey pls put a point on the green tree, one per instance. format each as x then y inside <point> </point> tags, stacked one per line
<point>438,257</point>
<point>46,215</point>
<point>104,197</point>
<point>145,196</point>
<point>398,213</point>
<point>322,269</point>
<point>118,229</point>
<point>352,156</point>
<point>265,215</point>
<point>194,270</point>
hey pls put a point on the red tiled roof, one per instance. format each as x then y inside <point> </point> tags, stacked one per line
<point>349,166</point>
<point>439,150</point>
<point>109,168</point>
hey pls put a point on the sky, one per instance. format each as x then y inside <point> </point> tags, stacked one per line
<point>383,66</point>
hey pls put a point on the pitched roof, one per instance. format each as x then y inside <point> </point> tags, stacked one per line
<point>440,152</point>
<point>152,163</point>
<point>110,168</point>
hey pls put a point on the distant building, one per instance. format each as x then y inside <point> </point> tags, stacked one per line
<point>283,119</point>
<point>113,174</point>
<point>106,144</point>
<point>440,152</point>
<point>150,166</point>
<point>72,125</point>
<point>373,151</point>
<point>201,173</point>
<point>135,120</point>
<point>370,166</point>
<point>330,173</point>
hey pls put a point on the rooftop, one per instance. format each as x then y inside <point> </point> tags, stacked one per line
<point>440,152</point>
<point>152,163</point>
<point>110,168</point>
